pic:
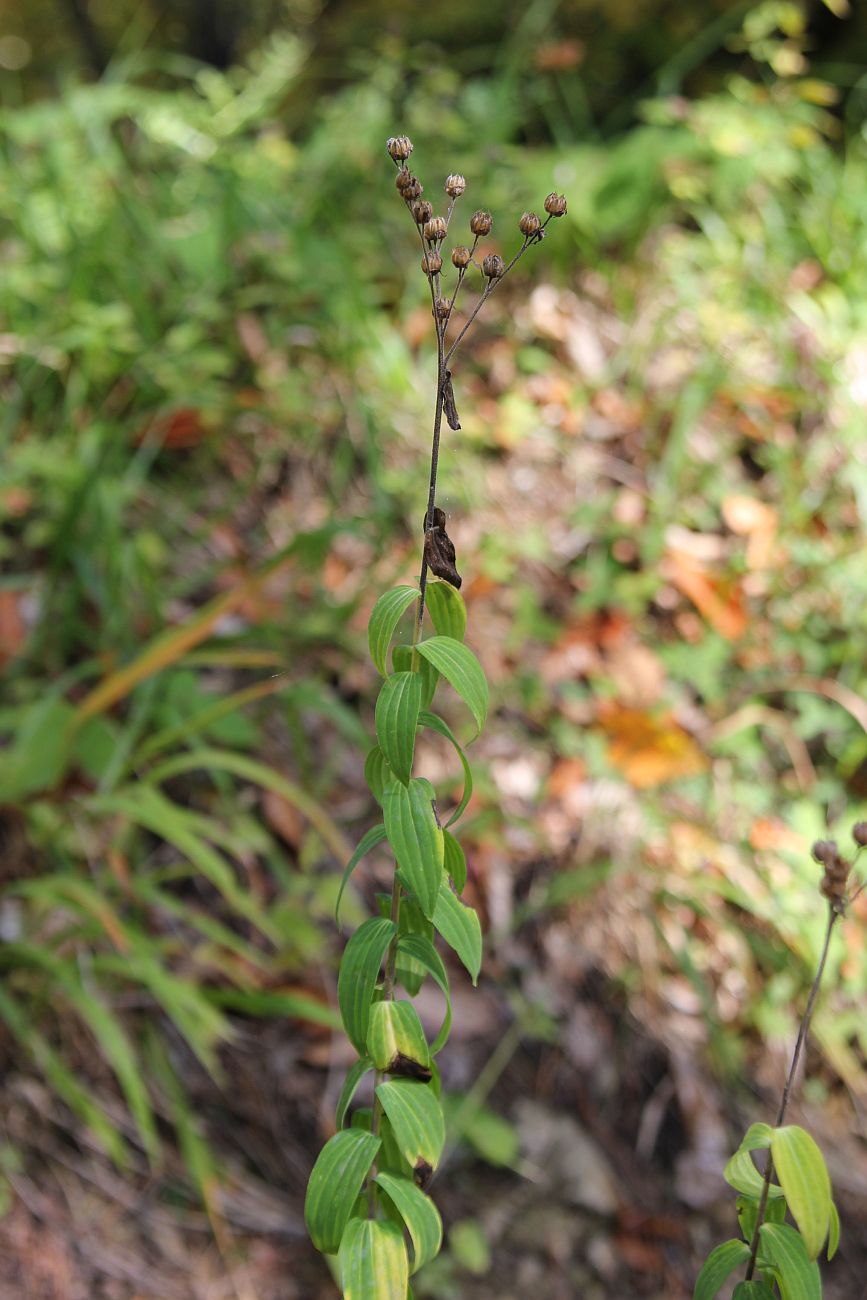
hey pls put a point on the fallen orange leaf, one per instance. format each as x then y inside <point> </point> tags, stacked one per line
<point>649,749</point>
<point>716,600</point>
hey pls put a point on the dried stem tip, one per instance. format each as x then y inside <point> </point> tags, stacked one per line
<point>421,211</point>
<point>480,223</point>
<point>441,308</point>
<point>461,257</point>
<point>435,229</point>
<point>409,185</point>
<point>455,186</point>
<point>399,147</point>
<point>529,224</point>
<point>555,205</point>
<point>432,263</point>
<point>493,266</point>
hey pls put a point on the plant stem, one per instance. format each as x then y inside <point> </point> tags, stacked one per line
<point>833,914</point>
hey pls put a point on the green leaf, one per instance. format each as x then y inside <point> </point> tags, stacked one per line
<point>359,972</point>
<point>741,1174</point>
<point>804,1179</point>
<point>435,723</point>
<point>368,841</point>
<point>335,1182</point>
<point>396,1042</point>
<point>418,1213</point>
<point>416,1121</point>
<point>372,1261</point>
<point>421,950</point>
<point>748,1208</point>
<point>459,926</point>
<point>833,1232</point>
<point>412,920</point>
<point>377,773</point>
<point>757,1138</point>
<point>752,1291</point>
<point>384,618</point>
<point>462,670</point>
<point>796,1274</point>
<point>350,1085</point>
<point>447,609</point>
<point>416,838</point>
<point>454,861</point>
<point>719,1265</point>
<point>402,661</point>
<point>396,719</point>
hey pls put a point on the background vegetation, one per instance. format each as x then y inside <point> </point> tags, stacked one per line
<point>213,446</point>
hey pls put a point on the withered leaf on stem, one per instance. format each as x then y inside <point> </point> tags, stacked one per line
<point>439,551</point>
<point>449,402</point>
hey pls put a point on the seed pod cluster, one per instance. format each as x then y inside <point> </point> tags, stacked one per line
<point>529,224</point>
<point>481,222</point>
<point>422,211</point>
<point>493,266</point>
<point>461,257</point>
<point>455,186</point>
<point>432,263</point>
<point>435,229</point>
<point>555,205</point>
<point>833,886</point>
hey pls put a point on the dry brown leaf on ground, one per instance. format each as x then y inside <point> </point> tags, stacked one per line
<point>718,600</point>
<point>649,749</point>
<point>758,522</point>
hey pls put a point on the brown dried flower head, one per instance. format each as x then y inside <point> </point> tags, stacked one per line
<point>481,222</point>
<point>431,263</point>
<point>409,185</point>
<point>399,147</point>
<point>441,308</point>
<point>555,205</point>
<point>461,257</point>
<point>859,834</point>
<point>455,186</point>
<point>493,266</point>
<point>422,211</point>
<point>529,224</point>
<point>435,229</point>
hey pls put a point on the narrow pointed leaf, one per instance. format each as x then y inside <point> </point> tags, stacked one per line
<point>833,1232</point>
<point>350,1085</point>
<point>416,1121</point>
<point>368,841</point>
<point>377,773</point>
<point>435,723</point>
<point>416,838</point>
<point>804,1179</point>
<point>384,618</point>
<point>396,719</point>
<point>372,1261</point>
<point>459,926</point>
<point>741,1174</point>
<point>796,1274</point>
<point>418,1213</point>
<point>335,1182</point>
<point>454,861</point>
<point>447,610</point>
<point>422,951</point>
<point>359,972</point>
<point>396,1042</point>
<point>718,1266</point>
<point>462,670</point>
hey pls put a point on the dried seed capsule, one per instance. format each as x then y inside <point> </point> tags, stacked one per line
<point>455,186</point>
<point>409,185</point>
<point>421,211</point>
<point>461,257</point>
<point>493,266</point>
<point>825,851</point>
<point>529,224</point>
<point>555,205</point>
<point>435,229</point>
<point>859,834</point>
<point>441,308</point>
<point>481,222</point>
<point>399,147</point>
<point>431,263</point>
